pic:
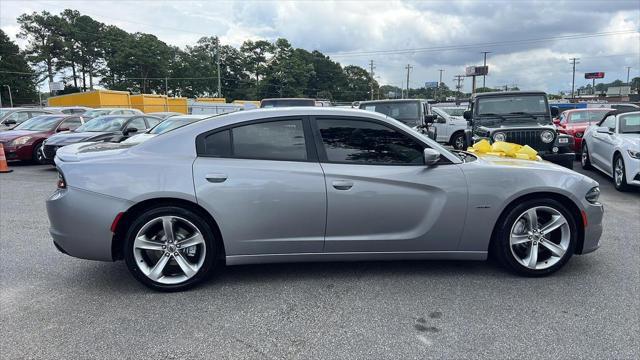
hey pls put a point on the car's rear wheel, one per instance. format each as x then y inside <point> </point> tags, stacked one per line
<point>38,156</point>
<point>536,238</point>
<point>458,141</point>
<point>619,174</point>
<point>585,161</point>
<point>170,248</point>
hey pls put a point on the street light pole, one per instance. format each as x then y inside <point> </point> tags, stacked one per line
<point>10,98</point>
<point>484,63</point>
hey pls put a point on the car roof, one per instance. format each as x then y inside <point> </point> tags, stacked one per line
<point>390,101</point>
<point>306,99</point>
<point>509,93</point>
<point>115,116</point>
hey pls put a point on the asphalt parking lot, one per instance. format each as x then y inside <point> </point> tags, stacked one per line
<point>55,306</point>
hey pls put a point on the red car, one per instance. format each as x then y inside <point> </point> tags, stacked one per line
<point>574,122</point>
<point>25,140</point>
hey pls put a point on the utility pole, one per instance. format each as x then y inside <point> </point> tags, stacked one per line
<point>439,82</point>
<point>484,63</point>
<point>218,65</point>
<point>408,67</point>
<point>628,70</point>
<point>459,79</point>
<point>10,97</point>
<point>371,73</point>
<point>574,61</point>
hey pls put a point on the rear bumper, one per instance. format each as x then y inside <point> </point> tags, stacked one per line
<point>558,157</point>
<point>81,222</point>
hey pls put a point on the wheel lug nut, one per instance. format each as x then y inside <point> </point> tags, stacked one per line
<point>164,247</point>
<point>178,246</point>
<point>167,254</point>
<point>175,253</point>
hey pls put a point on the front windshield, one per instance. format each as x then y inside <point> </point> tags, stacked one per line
<point>454,111</point>
<point>630,124</point>
<point>525,104</point>
<point>406,112</point>
<point>103,123</point>
<point>4,112</point>
<point>589,116</point>
<point>39,123</point>
<point>170,124</point>
<point>97,112</point>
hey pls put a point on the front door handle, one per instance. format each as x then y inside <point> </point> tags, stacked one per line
<point>342,184</point>
<point>216,178</point>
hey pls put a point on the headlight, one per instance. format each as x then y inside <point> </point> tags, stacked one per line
<point>578,134</point>
<point>546,136</point>
<point>21,140</point>
<point>634,154</point>
<point>593,195</point>
<point>499,136</point>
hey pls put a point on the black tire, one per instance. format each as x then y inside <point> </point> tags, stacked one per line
<point>37,155</point>
<point>459,141</point>
<point>208,266</point>
<point>501,247</point>
<point>585,159</point>
<point>623,186</point>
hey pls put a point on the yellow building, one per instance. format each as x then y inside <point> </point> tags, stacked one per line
<point>178,104</point>
<point>149,102</point>
<point>94,99</point>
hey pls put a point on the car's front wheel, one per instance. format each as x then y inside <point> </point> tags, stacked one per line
<point>459,141</point>
<point>536,238</point>
<point>170,248</point>
<point>619,174</point>
<point>38,156</point>
<point>585,161</point>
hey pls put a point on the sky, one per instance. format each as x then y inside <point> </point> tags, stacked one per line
<point>530,42</point>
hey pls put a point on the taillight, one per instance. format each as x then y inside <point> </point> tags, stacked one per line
<point>62,184</point>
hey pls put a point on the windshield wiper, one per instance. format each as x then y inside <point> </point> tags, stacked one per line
<point>493,114</point>
<point>524,113</point>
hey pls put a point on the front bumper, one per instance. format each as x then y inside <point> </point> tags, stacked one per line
<point>632,170</point>
<point>22,152</point>
<point>81,222</point>
<point>593,231</point>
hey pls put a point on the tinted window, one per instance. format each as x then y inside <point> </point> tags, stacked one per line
<point>218,144</point>
<point>630,124</point>
<point>70,124</point>
<point>153,121</point>
<point>407,112</point>
<point>137,123</point>
<point>512,104</point>
<point>276,140</point>
<point>368,143</point>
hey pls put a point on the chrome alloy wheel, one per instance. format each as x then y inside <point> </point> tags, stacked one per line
<point>540,237</point>
<point>169,250</point>
<point>459,143</point>
<point>618,171</point>
<point>585,156</point>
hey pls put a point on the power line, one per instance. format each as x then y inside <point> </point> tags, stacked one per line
<point>496,43</point>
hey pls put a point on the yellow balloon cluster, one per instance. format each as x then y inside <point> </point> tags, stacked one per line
<point>502,148</point>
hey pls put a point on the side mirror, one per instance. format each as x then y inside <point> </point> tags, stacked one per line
<point>429,119</point>
<point>603,130</point>
<point>10,122</point>
<point>441,120</point>
<point>467,115</point>
<point>62,129</point>
<point>555,111</point>
<point>130,130</point>
<point>431,157</point>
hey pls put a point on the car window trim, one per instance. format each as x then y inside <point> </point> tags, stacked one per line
<point>312,155</point>
<point>322,155</point>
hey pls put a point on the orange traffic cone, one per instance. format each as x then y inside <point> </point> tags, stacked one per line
<point>4,168</point>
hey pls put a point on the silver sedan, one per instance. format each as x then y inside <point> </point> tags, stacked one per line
<point>312,184</point>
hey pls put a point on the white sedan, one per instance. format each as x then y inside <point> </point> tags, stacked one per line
<point>167,125</point>
<point>451,126</point>
<point>613,147</point>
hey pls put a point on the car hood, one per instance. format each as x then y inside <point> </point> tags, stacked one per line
<point>90,150</point>
<point>630,141</point>
<point>502,161</point>
<point>74,137</point>
<point>509,126</point>
<point>6,136</point>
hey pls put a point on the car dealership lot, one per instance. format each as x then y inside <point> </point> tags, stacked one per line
<point>55,306</point>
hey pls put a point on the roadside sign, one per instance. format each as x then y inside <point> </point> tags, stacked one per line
<point>476,70</point>
<point>594,75</point>
<point>431,84</point>
<point>56,86</point>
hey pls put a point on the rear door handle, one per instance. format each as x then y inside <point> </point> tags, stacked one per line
<point>342,184</point>
<point>216,178</point>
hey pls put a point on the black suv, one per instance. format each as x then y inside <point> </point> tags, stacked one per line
<point>521,117</point>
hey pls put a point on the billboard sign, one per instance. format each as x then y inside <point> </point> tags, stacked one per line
<point>431,84</point>
<point>594,75</point>
<point>476,70</point>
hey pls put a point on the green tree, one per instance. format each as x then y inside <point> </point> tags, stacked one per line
<point>358,84</point>
<point>256,56</point>
<point>287,73</point>
<point>16,73</point>
<point>42,31</point>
